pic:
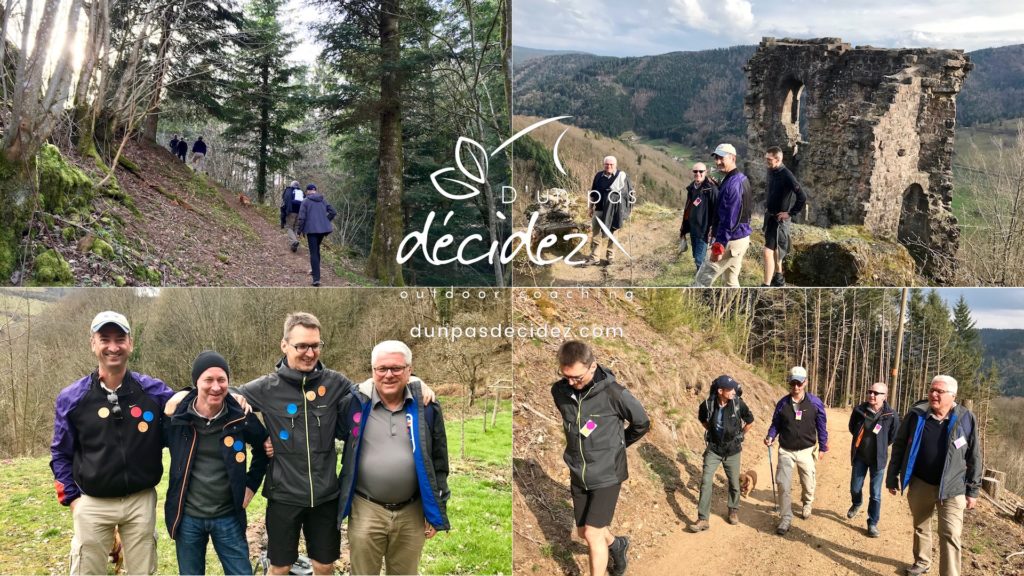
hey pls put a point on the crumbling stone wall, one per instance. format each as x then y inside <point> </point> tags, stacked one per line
<point>868,132</point>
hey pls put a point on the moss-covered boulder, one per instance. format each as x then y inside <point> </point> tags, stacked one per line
<point>14,197</point>
<point>850,262</point>
<point>52,269</point>
<point>62,186</point>
<point>102,249</point>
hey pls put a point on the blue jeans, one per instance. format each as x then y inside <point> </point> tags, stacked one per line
<point>860,472</point>
<point>700,249</point>
<point>228,540</point>
<point>314,241</point>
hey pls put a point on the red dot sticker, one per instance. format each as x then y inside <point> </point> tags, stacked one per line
<point>136,412</point>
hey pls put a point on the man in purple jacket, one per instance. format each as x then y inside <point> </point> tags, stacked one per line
<point>800,423</point>
<point>731,223</point>
<point>106,454</point>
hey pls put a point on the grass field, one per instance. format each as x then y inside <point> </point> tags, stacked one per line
<point>38,530</point>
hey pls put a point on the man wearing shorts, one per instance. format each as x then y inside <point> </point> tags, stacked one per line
<point>784,199</point>
<point>594,408</point>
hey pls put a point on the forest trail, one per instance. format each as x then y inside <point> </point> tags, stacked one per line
<point>826,543</point>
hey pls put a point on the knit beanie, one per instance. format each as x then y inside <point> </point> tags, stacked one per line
<point>206,360</point>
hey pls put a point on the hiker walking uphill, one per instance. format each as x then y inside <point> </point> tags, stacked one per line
<point>800,423</point>
<point>291,201</point>
<point>726,418</point>
<point>199,155</point>
<point>594,408</point>
<point>314,221</point>
<point>182,151</point>
<point>873,424</point>
<point>174,145</point>
<point>936,454</point>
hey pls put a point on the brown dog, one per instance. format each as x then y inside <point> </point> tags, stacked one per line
<point>748,480</point>
<point>244,200</point>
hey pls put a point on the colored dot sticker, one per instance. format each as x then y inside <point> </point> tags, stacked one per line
<point>591,425</point>
<point>310,396</point>
<point>136,412</point>
<point>357,417</point>
<point>292,408</point>
<point>103,412</point>
<point>147,416</point>
<point>321,390</point>
<point>283,435</point>
<point>240,457</point>
<point>229,440</point>
<point>355,431</point>
<point>238,446</point>
<point>143,427</point>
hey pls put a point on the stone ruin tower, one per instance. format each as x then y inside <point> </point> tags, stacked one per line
<point>868,132</point>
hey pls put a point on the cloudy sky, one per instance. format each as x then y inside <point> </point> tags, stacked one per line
<point>642,27</point>
<point>990,307</point>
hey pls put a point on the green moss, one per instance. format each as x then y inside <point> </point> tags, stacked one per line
<point>120,281</point>
<point>68,234</point>
<point>129,165</point>
<point>102,249</point>
<point>61,185</point>
<point>223,257</point>
<point>148,274</point>
<point>13,216</point>
<point>52,269</point>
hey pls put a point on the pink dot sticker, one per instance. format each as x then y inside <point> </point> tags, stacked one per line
<point>355,431</point>
<point>591,425</point>
<point>357,417</point>
<point>136,412</point>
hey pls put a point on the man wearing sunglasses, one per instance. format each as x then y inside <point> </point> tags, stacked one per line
<point>106,453</point>
<point>732,223</point>
<point>701,199</point>
<point>873,424</point>
<point>800,423</point>
<point>595,409</point>
<point>936,454</point>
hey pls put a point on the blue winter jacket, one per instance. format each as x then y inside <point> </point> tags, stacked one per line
<point>315,215</point>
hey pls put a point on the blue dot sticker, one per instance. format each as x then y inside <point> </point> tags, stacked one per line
<point>238,445</point>
<point>292,408</point>
<point>147,416</point>
<point>283,435</point>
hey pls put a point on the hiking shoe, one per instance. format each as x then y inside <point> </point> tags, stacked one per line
<point>700,526</point>
<point>778,280</point>
<point>873,531</point>
<point>295,246</point>
<point>916,570</point>
<point>617,556</point>
<point>783,527</point>
<point>590,261</point>
<point>316,283</point>
<point>605,263</point>
<point>734,517</point>
<point>806,512</point>
<point>853,511</point>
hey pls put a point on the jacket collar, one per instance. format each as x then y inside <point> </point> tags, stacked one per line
<point>181,416</point>
<point>294,377</point>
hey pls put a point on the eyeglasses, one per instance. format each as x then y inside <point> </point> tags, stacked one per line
<point>302,347</point>
<point>115,407</point>
<point>382,370</point>
<point>938,391</point>
<point>699,171</point>
<point>874,393</point>
<point>576,379</point>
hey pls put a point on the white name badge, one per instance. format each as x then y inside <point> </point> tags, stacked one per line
<point>799,414</point>
<point>960,442</point>
<point>877,428</point>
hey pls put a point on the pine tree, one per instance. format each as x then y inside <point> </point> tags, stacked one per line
<point>262,102</point>
<point>965,351</point>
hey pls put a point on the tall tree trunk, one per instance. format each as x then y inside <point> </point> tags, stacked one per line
<point>265,104</point>
<point>163,62</point>
<point>387,227</point>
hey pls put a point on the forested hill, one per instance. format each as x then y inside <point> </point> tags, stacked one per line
<point>691,97</point>
<point>1005,348</point>
<point>697,97</point>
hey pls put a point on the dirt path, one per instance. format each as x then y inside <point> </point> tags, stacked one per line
<point>826,543</point>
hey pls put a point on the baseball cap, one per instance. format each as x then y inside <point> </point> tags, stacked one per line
<point>311,187</point>
<point>724,150</point>
<point>725,382</point>
<point>798,373</point>
<point>110,317</point>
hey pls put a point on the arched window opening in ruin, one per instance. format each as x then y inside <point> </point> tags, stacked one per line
<point>913,227</point>
<point>793,119</point>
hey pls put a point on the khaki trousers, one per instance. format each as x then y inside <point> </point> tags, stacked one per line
<point>924,499</point>
<point>803,460</point>
<point>731,263</point>
<point>376,534</point>
<point>94,521</point>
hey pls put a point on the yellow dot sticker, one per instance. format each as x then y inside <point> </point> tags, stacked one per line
<point>310,396</point>
<point>103,412</point>
<point>228,440</point>
<point>321,390</point>
<point>240,457</point>
<point>143,426</point>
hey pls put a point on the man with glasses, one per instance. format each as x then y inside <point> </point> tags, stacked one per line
<point>106,454</point>
<point>594,409</point>
<point>608,205</point>
<point>873,425</point>
<point>800,423</point>
<point>701,199</point>
<point>784,199</point>
<point>731,225</point>
<point>394,472</point>
<point>936,454</point>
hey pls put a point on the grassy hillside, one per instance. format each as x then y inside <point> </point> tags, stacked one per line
<point>38,530</point>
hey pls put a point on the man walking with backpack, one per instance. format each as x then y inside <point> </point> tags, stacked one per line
<point>594,409</point>
<point>732,223</point>
<point>291,201</point>
<point>726,419</point>
<point>315,215</point>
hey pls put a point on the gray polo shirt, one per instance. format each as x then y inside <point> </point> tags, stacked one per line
<point>387,471</point>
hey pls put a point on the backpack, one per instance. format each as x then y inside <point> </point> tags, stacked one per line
<point>298,195</point>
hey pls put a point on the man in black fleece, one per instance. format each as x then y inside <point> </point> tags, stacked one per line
<point>783,200</point>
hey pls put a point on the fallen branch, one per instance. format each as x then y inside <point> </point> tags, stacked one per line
<point>536,413</point>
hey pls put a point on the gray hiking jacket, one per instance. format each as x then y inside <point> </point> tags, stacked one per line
<point>961,473</point>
